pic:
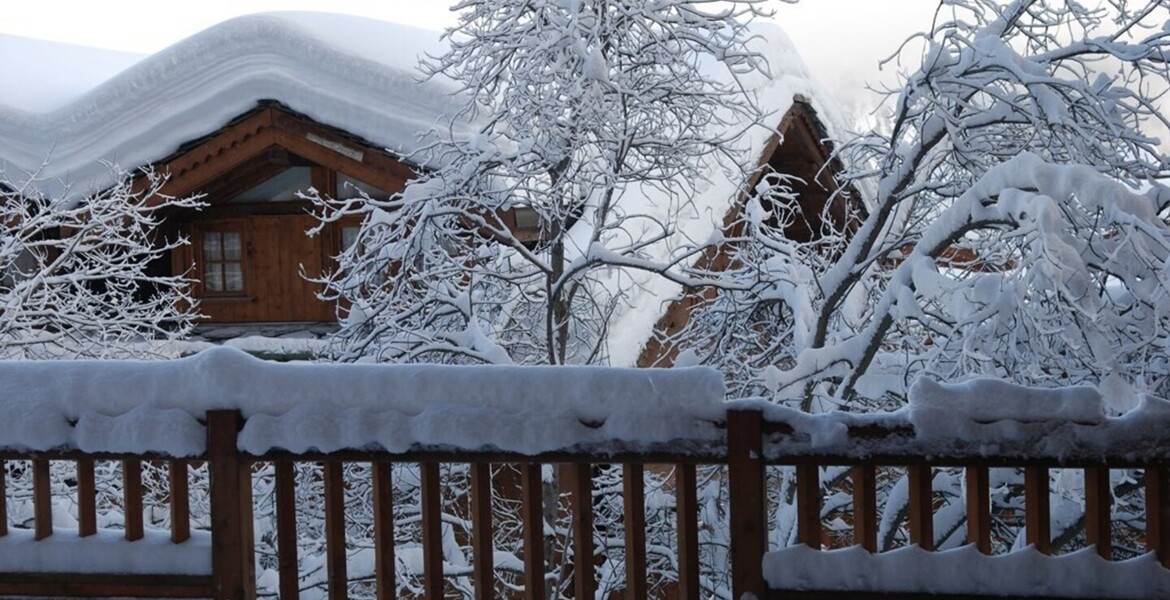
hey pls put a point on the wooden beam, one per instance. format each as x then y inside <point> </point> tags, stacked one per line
<point>42,498</point>
<point>132,498</point>
<point>335,551</point>
<point>86,498</point>
<point>921,506</point>
<point>1037,509</point>
<point>232,546</point>
<point>532,516</point>
<point>1098,511</point>
<point>3,499</point>
<point>634,490</point>
<point>180,502</point>
<point>1158,513</point>
<point>808,506</point>
<point>579,480</point>
<point>105,585</point>
<point>482,548</point>
<point>286,529</point>
<point>746,491</point>
<point>865,512</point>
<point>432,530</point>
<point>384,532</point>
<point>687,509</point>
<point>979,508</point>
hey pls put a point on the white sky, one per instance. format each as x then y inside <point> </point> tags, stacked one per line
<point>841,40</point>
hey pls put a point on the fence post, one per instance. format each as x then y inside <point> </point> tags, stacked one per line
<point>749,541</point>
<point>232,552</point>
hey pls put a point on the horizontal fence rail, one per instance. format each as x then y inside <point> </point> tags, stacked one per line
<point>212,504</point>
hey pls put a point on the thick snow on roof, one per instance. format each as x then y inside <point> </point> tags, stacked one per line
<point>41,76</point>
<point>348,72</point>
<point>788,81</point>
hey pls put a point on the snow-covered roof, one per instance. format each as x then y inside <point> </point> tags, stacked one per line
<point>352,73</point>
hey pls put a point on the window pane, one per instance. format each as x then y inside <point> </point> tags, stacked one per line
<point>348,237</point>
<point>213,277</point>
<point>231,245</point>
<point>211,246</point>
<point>233,277</point>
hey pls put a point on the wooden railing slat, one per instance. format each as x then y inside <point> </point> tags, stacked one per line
<point>232,545</point>
<point>634,492</point>
<point>335,560</point>
<point>1158,513</point>
<point>1098,511</point>
<point>286,529</point>
<point>865,514</point>
<point>86,498</point>
<point>432,530</point>
<point>384,531</point>
<point>42,498</point>
<point>808,505</point>
<point>3,499</point>
<point>979,508</point>
<point>482,548</point>
<point>746,491</point>
<point>687,508</point>
<point>180,502</point>
<point>1037,509</point>
<point>132,498</point>
<point>579,481</point>
<point>532,516</point>
<point>921,505</point>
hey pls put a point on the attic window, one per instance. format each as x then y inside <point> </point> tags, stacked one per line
<point>348,188</point>
<point>281,188</point>
<point>526,218</point>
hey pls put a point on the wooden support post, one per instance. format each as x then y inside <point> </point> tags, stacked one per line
<point>865,506</point>
<point>286,530</point>
<point>42,498</point>
<point>86,498</point>
<point>3,499</point>
<point>532,515</point>
<point>1098,511</point>
<point>384,532</point>
<point>482,553</point>
<point>687,508</point>
<point>432,531</point>
<point>808,506</point>
<point>1037,509</point>
<point>979,508</point>
<point>921,506</point>
<point>634,490</point>
<point>335,562</point>
<point>180,502</point>
<point>749,542</point>
<point>132,498</point>
<point>579,478</point>
<point>232,552</point>
<point>1158,513</point>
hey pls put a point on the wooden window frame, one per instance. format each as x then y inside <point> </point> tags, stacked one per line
<point>236,226</point>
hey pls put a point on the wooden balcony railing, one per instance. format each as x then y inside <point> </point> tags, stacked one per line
<point>226,554</point>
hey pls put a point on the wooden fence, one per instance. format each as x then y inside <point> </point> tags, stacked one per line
<point>752,444</point>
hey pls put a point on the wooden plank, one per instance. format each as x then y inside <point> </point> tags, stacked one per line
<point>579,480</point>
<point>432,530</point>
<point>3,499</point>
<point>634,489</point>
<point>532,516</point>
<point>384,531</point>
<point>921,506</point>
<point>42,498</point>
<point>1037,509</point>
<point>132,498</point>
<point>180,502</point>
<point>979,508</point>
<point>232,546</point>
<point>286,529</point>
<point>1158,513</point>
<point>865,513</point>
<point>687,511</point>
<point>808,506</point>
<point>106,585</point>
<point>86,498</point>
<point>335,563</point>
<point>1098,511</point>
<point>746,490</point>
<point>481,531</point>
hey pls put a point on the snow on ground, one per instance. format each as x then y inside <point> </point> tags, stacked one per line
<point>348,72</point>
<point>107,551</point>
<point>1022,573</point>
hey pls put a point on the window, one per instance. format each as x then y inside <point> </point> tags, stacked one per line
<point>223,262</point>
<point>349,235</point>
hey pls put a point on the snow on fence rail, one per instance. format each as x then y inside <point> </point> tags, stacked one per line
<point>219,396</point>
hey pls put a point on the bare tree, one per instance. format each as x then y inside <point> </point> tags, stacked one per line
<point>76,270</point>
